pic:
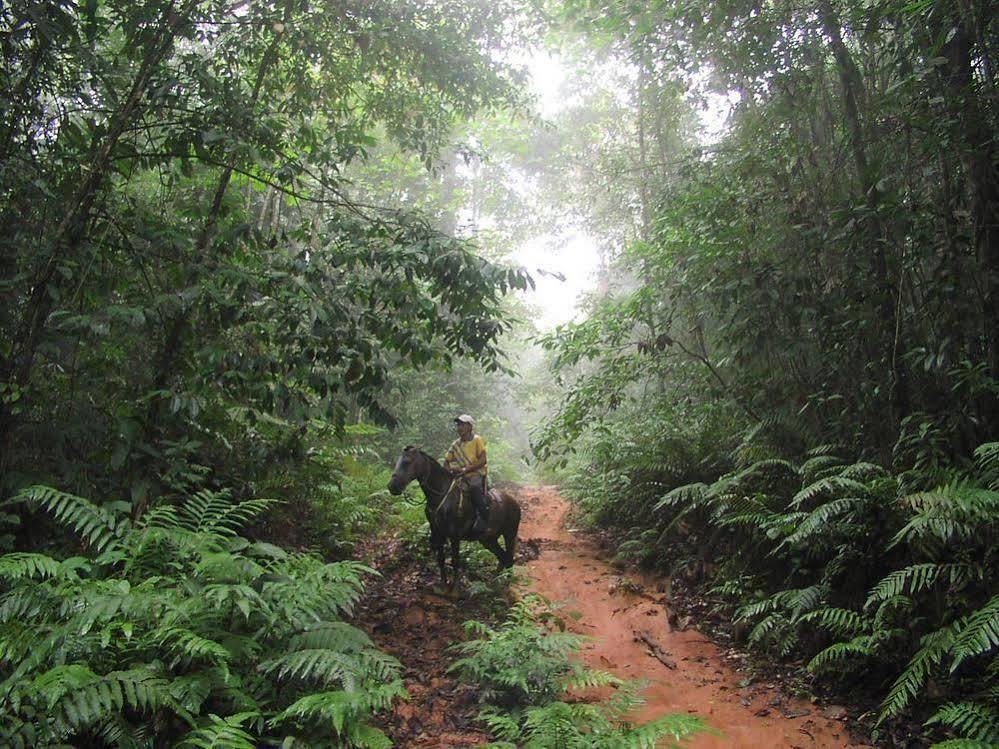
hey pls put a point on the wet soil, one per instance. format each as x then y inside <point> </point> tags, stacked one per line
<point>634,639</point>
<point>407,614</point>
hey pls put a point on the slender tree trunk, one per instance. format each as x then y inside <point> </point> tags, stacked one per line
<point>887,298</point>
<point>165,360</point>
<point>978,161</point>
<point>643,160</point>
<point>72,230</point>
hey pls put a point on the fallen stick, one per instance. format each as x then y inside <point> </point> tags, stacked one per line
<point>655,649</point>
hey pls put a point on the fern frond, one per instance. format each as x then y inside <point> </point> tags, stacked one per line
<point>16,565</point>
<point>332,666</point>
<point>101,527</point>
<point>816,523</point>
<point>755,609</point>
<point>831,486</point>
<point>340,707</point>
<point>811,469</point>
<point>858,647</point>
<point>972,720</point>
<point>502,724</point>
<point>215,513</point>
<point>915,579</point>
<point>987,458</point>
<point>949,514</point>
<point>332,636</point>
<point>677,727</point>
<point>979,635</point>
<point>586,679</point>
<point>863,471</point>
<point>221,733</point>
<point>187,645</point>
<point>841,622</point>
<point>77,697</point>
<point>688,494</point>
<point>802,600</point>
<point>910,682</point>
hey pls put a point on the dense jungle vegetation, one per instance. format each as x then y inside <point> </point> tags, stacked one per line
<point>249,249</point>
<point>788,390</point>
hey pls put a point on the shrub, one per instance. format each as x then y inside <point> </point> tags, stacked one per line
<point>178,629</point>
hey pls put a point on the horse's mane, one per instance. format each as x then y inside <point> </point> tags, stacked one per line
<point>425,454</point>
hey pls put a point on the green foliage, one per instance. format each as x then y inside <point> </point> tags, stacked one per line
<point>786,282</point>
<point>836,561</point>
<point>559,725</point>
<point>215,285</point>
<point>523,660</point>
<point>228,642</point>
<point>525,665</point>
<point>977,722</point>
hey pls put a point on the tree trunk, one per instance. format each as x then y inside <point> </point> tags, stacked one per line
<point>887,298</point>
<point>71,231</point>
<point>173,341</point>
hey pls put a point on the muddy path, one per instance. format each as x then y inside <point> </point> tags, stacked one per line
<point>633,639</point>
<point>624,614</point>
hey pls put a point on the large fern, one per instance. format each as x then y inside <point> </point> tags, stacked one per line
<point>180,620</point>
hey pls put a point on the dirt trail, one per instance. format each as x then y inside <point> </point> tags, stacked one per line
<point>633,639</point>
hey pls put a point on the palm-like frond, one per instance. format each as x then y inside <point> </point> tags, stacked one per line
<point>830,486</point>
<point>20,564</point>
<point>975,721</point>
<point>841,622</point>
<point>858,647</point>
<point>215,513</point>
<point>908,685</point>
<point>916,578</point>
<point>987,457</point>
<point>221,733</point>
<point>339,707</point>
<point>101,527</point>
<point>951,514</point>
<point>979,634</point>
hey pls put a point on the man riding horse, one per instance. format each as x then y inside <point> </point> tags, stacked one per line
<point>467,458</point>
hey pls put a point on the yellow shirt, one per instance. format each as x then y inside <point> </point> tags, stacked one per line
<point>463,453</point>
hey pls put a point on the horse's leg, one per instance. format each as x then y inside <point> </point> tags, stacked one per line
<point>510,542</point>
<point>495,548</point>
<point>510,535</point>
<point>456,559</point>
<point>437,544</point>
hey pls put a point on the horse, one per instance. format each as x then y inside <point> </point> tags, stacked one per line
<point>451,516</point>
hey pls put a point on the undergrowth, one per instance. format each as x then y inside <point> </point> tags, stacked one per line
<point>526,672</point>
<point>875,575</point>
<point>176,629</point>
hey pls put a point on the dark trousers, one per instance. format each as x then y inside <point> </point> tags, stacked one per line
<point>477,494</point>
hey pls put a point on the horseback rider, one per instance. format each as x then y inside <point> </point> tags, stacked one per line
<point>467,458</point>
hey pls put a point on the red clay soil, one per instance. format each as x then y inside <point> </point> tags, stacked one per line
<point>686,673</point>
<point>405,617</point>
<point>631,638</point>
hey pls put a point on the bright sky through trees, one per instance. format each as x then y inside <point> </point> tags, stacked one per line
<point>564,265</point>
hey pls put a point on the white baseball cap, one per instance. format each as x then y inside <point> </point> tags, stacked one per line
<point>465,418</point>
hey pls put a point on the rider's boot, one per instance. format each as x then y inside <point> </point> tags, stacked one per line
<point>481,505</point>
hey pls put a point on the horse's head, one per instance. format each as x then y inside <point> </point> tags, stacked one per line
<point>412,464</point>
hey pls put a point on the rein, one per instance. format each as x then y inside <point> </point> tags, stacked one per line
<point>424,482</point>
<point>461,497</point>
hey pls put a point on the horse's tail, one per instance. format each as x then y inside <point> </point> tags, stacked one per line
<point>510,534</point>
